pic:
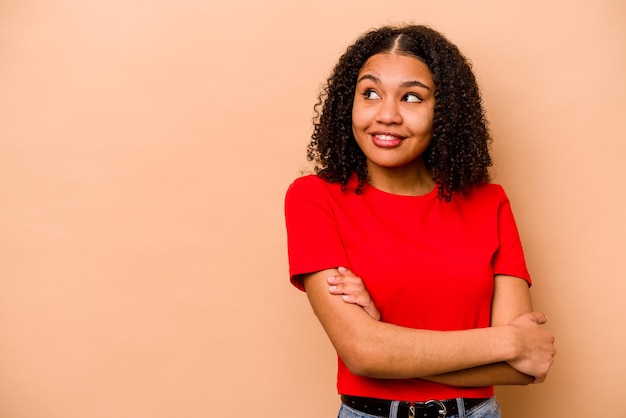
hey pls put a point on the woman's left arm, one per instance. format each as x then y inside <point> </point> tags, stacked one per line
<point>511,298</point>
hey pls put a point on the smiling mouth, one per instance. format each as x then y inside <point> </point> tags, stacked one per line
<point>386,140</point>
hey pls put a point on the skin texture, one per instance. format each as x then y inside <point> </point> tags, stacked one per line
<point>511,299</point>
<point>377,349</point>
<point>392,121</point>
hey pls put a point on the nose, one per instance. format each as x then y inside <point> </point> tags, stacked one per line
<point>389,113</point>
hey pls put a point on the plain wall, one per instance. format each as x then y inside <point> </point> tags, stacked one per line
<point>145,149</point>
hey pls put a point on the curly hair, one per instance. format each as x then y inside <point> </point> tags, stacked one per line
<point>458,154</point>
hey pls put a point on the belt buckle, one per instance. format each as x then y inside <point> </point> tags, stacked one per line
<point>442,408</point>
<point>441,413</point>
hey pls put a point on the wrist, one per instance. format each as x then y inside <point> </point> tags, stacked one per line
<point>508,347</point>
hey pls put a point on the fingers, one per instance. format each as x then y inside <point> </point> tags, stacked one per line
<point>345,277</point>
<point>539,317</point>
<point>343,270</point>
<point>353,296</point>
<point>352,290</point>
<point>543,374</point>
<point>531,318</point>
<point>350,286</point>
<point>535,346</point>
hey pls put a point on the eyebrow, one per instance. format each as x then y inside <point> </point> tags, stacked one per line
<point>412,83</point>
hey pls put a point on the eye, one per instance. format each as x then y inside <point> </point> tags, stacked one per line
<point>412,98</point>
<point>371,94</point>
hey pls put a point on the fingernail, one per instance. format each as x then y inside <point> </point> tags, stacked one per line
<point>342,268</point>
<point>332,288</point>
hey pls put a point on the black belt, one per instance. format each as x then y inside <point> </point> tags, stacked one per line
<point>429,409</point>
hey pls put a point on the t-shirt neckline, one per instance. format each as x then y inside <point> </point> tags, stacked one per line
<point>369,188</point>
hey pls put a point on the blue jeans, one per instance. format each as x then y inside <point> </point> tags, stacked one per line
<point>487,409</point>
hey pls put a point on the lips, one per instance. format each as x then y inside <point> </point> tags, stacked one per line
<point>384,140</point>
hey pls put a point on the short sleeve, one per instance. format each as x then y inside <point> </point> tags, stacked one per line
<point>509,258</point>
<point>313,239</point>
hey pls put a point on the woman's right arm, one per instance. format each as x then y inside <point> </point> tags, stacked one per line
<point>377,349</point>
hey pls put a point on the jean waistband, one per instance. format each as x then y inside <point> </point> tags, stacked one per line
<point>405,409</point>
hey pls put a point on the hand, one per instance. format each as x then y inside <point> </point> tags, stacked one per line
<point>352,290</point>
<point>535,346</point>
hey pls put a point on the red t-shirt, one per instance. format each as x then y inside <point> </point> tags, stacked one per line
<point>427,263</point>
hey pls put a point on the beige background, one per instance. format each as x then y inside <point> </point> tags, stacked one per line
<point>145,148</point>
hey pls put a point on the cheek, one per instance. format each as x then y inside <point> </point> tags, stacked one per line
<point>355,114</point>
<point>422,122</point>
<point>360,118</point>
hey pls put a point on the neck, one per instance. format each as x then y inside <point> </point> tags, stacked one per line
<point>406,181</point>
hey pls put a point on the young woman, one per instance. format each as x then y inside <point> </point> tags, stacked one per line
<point>400,220</point>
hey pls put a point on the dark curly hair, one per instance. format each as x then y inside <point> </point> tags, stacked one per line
<point>458,154</point>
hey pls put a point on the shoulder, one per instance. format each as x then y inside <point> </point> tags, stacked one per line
<point>312,185</point>
<point>307,182</point>
<point>306,190</point>
<point>488,190</point>
<point>311,192</point>
<point>483,194</point>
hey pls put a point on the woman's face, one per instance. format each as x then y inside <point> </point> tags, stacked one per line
<point>392,112</point>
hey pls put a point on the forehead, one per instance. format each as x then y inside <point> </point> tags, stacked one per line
<point>396,65</point>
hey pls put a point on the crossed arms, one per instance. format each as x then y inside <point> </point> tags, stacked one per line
<point>516,349</point>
